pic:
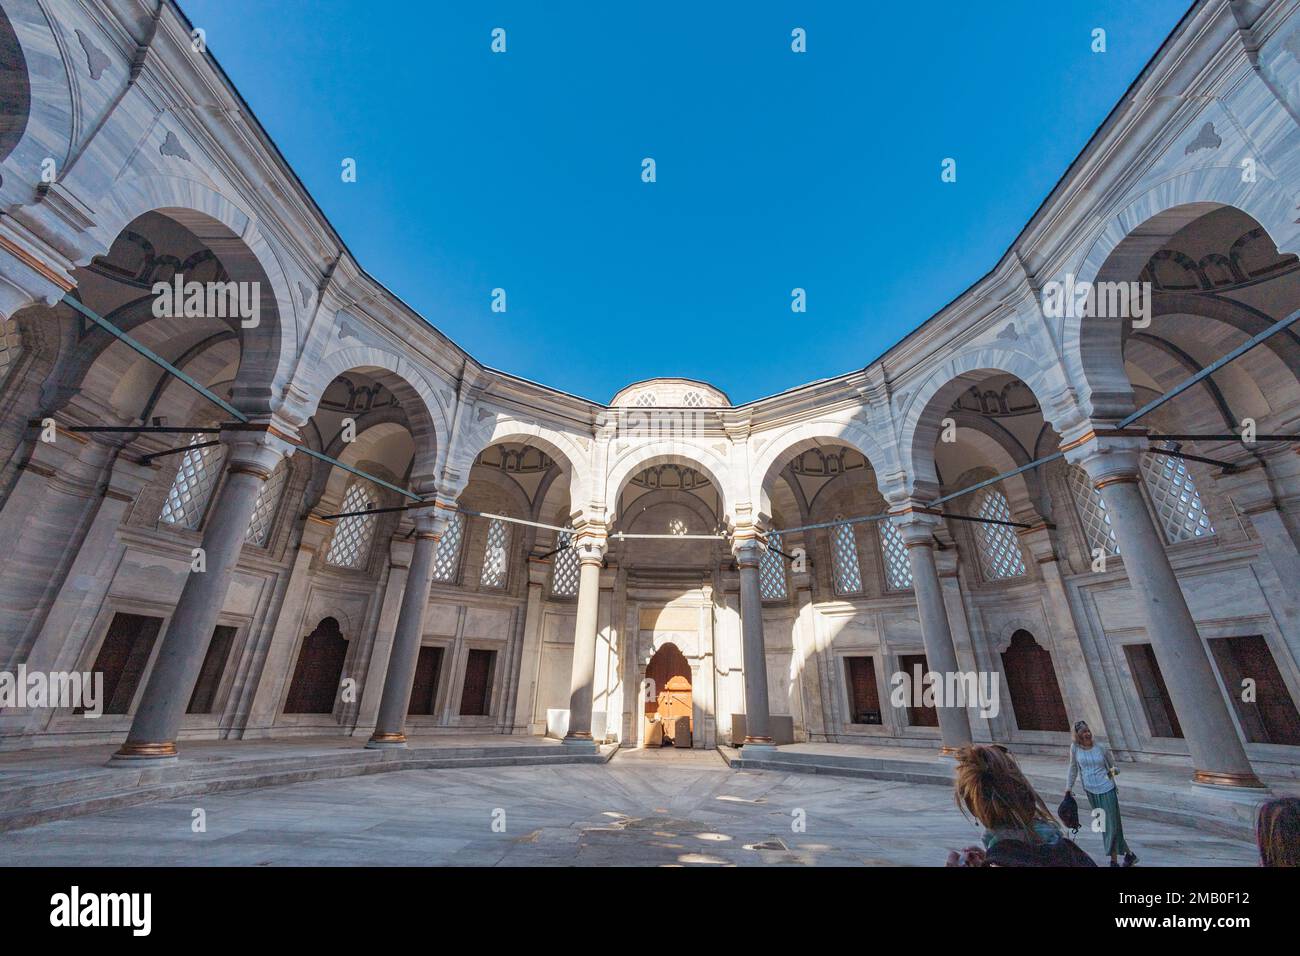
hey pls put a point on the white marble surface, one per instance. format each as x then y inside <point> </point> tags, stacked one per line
<point>645,808</point>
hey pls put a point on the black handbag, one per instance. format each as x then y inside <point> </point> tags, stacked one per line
<point>1068,811</point>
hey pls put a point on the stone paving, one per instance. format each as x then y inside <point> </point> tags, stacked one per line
<point>644,808</point>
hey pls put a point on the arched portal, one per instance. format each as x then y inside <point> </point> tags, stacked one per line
<point>668,701</point>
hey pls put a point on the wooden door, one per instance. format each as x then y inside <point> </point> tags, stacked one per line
<point>1270,718</point>
<point>123,656</point>
<point>478,680</point>
<point>1031,681</point>
<point>920,715</point>
<point>319,670</point>
<point>424,692</point>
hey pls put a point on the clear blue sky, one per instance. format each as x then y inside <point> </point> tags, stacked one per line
<point>775,170</point>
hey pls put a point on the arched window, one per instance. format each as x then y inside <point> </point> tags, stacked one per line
<point>771,570</point>
<point>898,569</point>
<point>268,500</point>
<point>1031,681</point>
<point>1174,497</point>
<point>447,561</point>
<point>496,556</point>
<point>998,547</point>
<point>1091,509</point>
<point>350,546</point>
<point>564,569</point>
<point>844,552</point>
<point>196,478</point>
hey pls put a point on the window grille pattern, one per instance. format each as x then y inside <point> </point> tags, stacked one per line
<point>1091,509</point>
<point>350,546</point>
<point>564,569</point>
<point>693,400</point>
<point>196,478</point>
<point>645,400</point>
<point>898,569</point>
<point>771,570</point>
<point>495,559</point>
<point>844,551</point>
<point>1174,497</point>
<point>999,550</point>
<point>447,561</point>
<point>268,500</point>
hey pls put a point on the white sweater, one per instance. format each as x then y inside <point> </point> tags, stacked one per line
<point>1096,766</point>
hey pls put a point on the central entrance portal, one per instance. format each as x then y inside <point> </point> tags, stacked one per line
<point>669,721</point>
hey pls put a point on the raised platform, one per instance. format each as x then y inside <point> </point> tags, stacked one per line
<point>1162,794</point>
<point>37,786</point>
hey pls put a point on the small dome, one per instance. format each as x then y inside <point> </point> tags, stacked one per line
<point>670,393</point>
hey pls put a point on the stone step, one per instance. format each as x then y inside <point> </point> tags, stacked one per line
<point>1230,814</point>
<point>39,802</point>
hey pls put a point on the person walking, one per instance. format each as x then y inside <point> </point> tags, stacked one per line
<point>1093,762</point>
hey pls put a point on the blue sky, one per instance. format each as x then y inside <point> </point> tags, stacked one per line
<point>775,170</point>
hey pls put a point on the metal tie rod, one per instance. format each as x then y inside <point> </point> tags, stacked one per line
<point>206,393</point>
<point>1155,403</point>
<point>1213,367</point>
<point>152,356</point>
<point>620,535</point>
<point>826,524</point>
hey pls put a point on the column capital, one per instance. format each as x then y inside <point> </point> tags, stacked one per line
<point>257,447</point>
<point>1108,455</point>
<point>916,522</point>
<point>748,543</point>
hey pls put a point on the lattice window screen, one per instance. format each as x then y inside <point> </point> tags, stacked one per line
<point>999,550</point>
<point>350,546</point>
<point>268,499</point>
<point>898,569</point>
<point>496,555</point>
<point>844,549</point>
<point>447,561</point>
<point>1175,498</point>
<point>771,571</point>
<point>565,568</point>
<point>191,490</point>
<point>693,400</point>
<point>1092,512</point>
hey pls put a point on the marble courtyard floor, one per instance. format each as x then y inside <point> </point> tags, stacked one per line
<point>643,808</point>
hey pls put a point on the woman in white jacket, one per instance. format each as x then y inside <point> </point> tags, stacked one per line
<point>1094,763</point>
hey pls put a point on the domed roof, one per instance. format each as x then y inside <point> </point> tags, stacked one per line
<point>670,393</point>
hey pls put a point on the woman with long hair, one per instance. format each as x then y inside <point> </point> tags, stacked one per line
<point>1277,832</point>
<point>1019,830</point>
<point>1093,762</point>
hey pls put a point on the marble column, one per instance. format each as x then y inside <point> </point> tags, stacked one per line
<point>390,725</point>
<point>254,450</point>
<point>917,531</point>
<point>591,545</point>
<point>1218,756</point>
<point>531,654</point>
<point>758,725</point>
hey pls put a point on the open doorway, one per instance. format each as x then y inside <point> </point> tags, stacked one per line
<point>668,699</point>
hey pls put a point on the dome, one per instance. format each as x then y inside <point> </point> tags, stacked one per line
<point>670,393</point>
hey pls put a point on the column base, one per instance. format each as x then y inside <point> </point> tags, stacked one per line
<point>757,748</point>
<point>1227,780</point>
<point>386,741</point>
<point>580,743</point>
<point>134,754</point>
